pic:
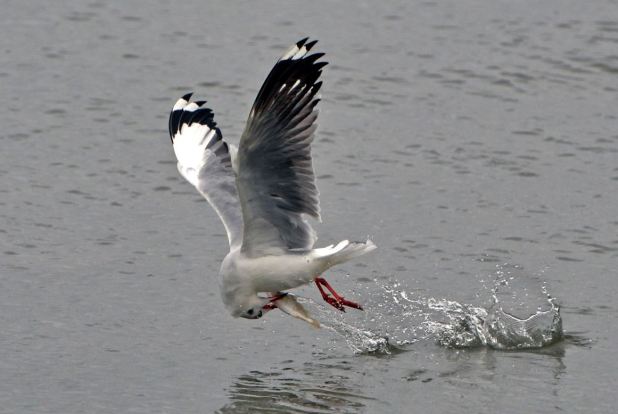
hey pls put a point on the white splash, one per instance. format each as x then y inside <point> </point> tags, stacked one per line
<point>522,315</point>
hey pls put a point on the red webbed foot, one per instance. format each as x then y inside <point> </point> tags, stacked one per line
<point>336,300</point>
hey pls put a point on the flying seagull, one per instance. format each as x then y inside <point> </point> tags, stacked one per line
<point>263,190</point>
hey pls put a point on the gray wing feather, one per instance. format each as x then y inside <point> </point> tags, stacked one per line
<point>276,183</point>
<point>204,160</point>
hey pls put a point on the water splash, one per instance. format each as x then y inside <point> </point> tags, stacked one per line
<point>360,340</point>
<point>520,314</point>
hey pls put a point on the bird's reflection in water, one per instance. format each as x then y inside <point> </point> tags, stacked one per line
<point>315,387</point>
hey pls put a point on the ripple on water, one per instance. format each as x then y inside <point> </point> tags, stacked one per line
<point>316,387</point>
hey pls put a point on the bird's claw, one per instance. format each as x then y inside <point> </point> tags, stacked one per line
<point>341,302</point>
<point>351,304</point>
<point>337,301</point>
<point>271,303</point>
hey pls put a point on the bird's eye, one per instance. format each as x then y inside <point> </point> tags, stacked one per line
<point>250,312</point>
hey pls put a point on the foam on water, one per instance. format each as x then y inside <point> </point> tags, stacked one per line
<point>520,315</point>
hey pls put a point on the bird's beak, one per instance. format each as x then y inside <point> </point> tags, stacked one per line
<point>290,305</point>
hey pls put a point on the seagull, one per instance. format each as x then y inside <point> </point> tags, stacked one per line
<point>264,190</point>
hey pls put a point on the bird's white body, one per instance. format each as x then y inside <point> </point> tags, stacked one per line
<point>241,277</point>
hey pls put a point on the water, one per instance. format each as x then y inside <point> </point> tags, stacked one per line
<point>521,315</point>
<point>468,140</point>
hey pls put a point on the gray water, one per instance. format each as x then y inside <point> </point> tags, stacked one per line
<point>463,137</point>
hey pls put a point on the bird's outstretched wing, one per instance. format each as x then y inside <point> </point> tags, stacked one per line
<point>204,160</point>
<point>275,179</point>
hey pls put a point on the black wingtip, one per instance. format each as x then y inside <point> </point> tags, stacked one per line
<point>309,45</point>
<point>187,96</point>
<point>320,65</point>
<point>315,56</point>
<point>200,103</point>
<point>301,42</point>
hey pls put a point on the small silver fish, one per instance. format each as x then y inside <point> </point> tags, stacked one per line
<point>290,305</point>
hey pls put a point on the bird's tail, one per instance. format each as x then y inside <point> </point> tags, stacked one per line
<point>344,251</point>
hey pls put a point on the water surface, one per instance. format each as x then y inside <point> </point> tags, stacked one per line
<point>460,136</point>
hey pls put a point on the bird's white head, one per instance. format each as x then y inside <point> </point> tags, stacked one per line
<point>254,308</point>
<point>246,305</point>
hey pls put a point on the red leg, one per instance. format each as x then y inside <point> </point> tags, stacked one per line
<point>336,300</point>
<point>329,299</point>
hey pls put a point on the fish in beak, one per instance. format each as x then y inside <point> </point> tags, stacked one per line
<point>288,304</point>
